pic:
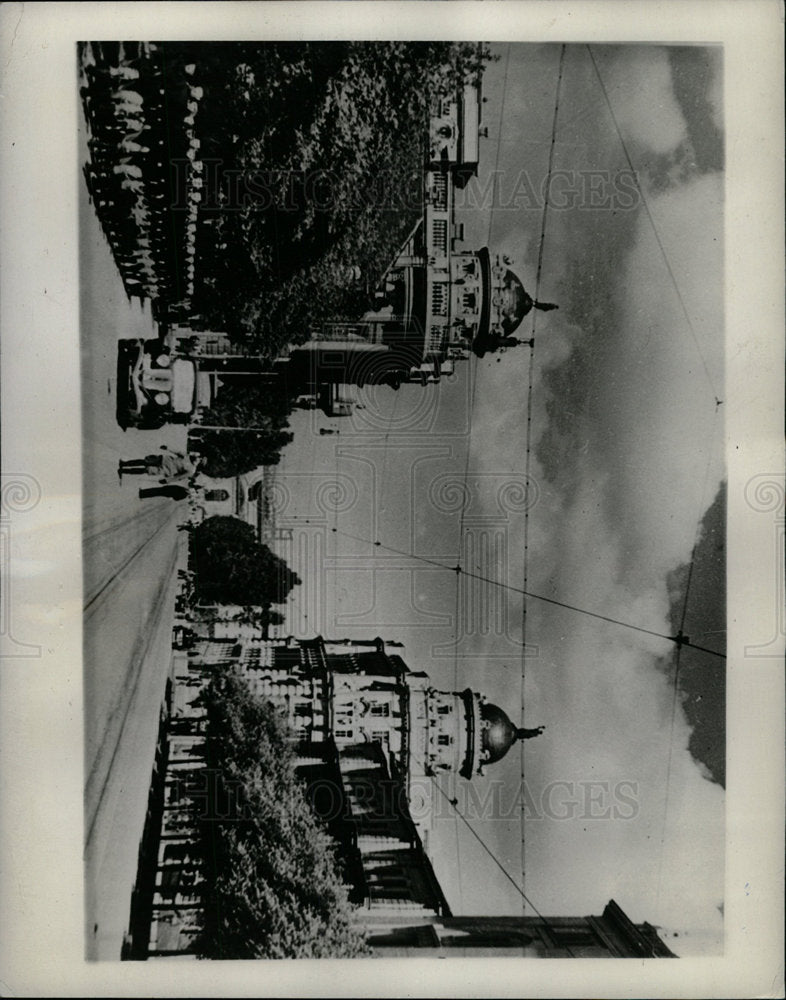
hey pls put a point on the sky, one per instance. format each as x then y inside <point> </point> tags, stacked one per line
<point>626,457</point>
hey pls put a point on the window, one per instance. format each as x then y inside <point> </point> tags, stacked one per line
<point>445,709</point>
<point>439,192</point>
<point>435,338</point>
<point>444,740</point>
<point>344,734</point>
<point>439,236</point>
<point>381,710</point>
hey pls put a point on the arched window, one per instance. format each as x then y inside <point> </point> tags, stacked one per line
<point>216,496</point>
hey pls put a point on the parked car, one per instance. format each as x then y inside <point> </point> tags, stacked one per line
<point>156,386</point>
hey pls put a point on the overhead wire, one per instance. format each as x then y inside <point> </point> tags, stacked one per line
<point>681,640</point>
<point>655,231</point>
<point>454,806</point>
<point>473,374</point>
<point>677,655</point>
<point>685,641</point>
<point>528,446</point>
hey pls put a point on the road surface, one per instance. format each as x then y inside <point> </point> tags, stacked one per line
<point>130,548</point>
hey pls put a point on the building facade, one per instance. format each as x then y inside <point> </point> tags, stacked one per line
<point>612,934</point>
<point>364,728</point>
<point>434,305</point>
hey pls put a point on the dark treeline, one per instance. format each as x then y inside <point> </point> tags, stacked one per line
<point>293,169</point>
<point>273,883</point>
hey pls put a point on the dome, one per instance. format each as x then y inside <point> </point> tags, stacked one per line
<point>498,734</point>
<point>505,302</point>
<point>516,302</point>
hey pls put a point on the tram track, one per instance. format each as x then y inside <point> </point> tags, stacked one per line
<point>104,588</point>
<point>101,770</point>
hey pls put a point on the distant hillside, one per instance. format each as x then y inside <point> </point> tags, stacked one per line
<point>702,677</point>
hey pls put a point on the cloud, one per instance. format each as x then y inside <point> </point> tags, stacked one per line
<point>663,433</point>
<point>714,95</point>
<point>630,455</point>
<point>624,417</point>
<point>608,706</point>
<point>639,84</point>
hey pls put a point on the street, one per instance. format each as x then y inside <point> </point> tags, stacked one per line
<point>130,551</point>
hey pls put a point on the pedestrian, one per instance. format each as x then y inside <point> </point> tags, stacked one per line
<point>173,491</point>
<point>169,467</point>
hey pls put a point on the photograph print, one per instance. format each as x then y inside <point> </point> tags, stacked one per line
<point>404,509</point>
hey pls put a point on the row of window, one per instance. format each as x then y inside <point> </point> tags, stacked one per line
<point>439,191</point>
<point>439,237</point>
<point>380,735</point>
<point>439,298</point>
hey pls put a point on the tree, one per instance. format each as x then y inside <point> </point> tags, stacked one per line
<point>235,451</point>
<point>273,887</point>
<point>232,567</point>
<point>325,175</point>
<point>261,618</point>
<point>295,139</point>
<point>255,416</point>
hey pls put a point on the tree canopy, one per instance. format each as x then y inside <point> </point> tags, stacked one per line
<point>313,160</point>
<point>273,886</point>
<point>256,417</point>
<point>232,567</point>
<point>303,162</point>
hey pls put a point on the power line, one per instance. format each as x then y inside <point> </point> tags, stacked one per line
<point>528,443</point>
<point>473,370</point>
<point>683,616</point>
<point>548,185</point>
<point>652,222</point>
<point>454,805</point>
<point>499,143</point>
<point>676,639</point>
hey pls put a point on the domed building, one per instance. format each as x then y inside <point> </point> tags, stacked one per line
<point>498,734</point>
<point>436,302</point>
<point>366,727</point>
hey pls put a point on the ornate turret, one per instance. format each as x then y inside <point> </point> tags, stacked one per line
<point>498,734</point>
<point>505,303</point>
<point>459,731</point>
